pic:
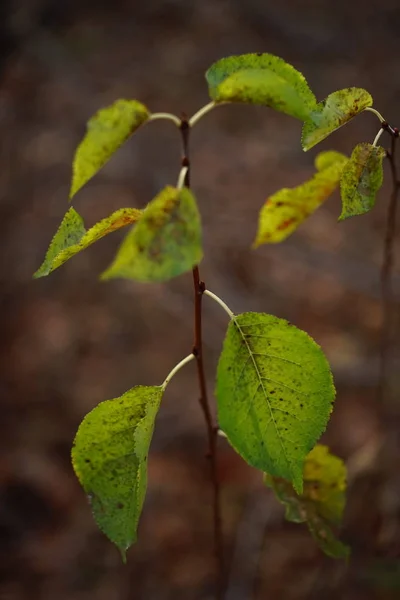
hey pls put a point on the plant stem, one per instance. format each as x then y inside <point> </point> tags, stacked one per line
<point>387,267</point>
<point>177,368</point>
<point>200,113</point>
<point>377,137</point>
<point>165,115</point>
<point>375,112</point>
<point>220,302</point>
<point>212,429</point>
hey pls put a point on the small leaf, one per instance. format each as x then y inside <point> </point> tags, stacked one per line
<point>107,130</point>
<point>361,179</point>
<point>285,210</point>
<point>322,502</point>
<point>262,79</point>
<point>333,112</point>
<point>109,457</point>
<point>274,393</point>
<point>165,243</point>
<point>72,237</point>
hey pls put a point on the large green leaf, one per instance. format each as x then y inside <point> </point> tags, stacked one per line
<point>109,457</point>
<point>165,243</point>
<point>262,79</point>
<point>72,237</point>
<point>322,502</point>
<point>361,179</point>
<point>285,210</point>
<point>107,130</point>
<point>333,112</point>
<point>274,393</point>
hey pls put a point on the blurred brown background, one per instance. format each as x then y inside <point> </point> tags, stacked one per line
<point>69,341</point>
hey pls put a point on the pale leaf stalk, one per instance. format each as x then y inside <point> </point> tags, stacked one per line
<point>220,302</point>
<point>377,137</point>
<point>177,368</point>
<point>181,178</point>
<point>376,113</point>
<point>167,116</point>
<point>200,113</point>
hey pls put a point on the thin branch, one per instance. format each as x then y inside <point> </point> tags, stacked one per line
<point>199,288</point>
<point>220,302</point>
<point>387,268</point>
<point>165,115</point>
<point>177,368</point>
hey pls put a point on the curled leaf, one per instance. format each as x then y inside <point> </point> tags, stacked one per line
<point>285,210</point>
<point>262,79</point>
<point>107,130</point>
<point>109,457</point>
<point>274,393</point>
<point>361,179</point>
<point>333,112</point>
<point>72,237</point>
<point>165,243</point>
<point>322,502</point>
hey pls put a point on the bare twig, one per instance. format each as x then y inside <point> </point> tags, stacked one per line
<point>212,429</point>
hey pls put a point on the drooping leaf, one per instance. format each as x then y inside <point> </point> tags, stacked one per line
<point>333,112</point>
<point>72,237</point>
<point>109,457</point>
<point>262,79</point>
<point>285,210</point>
<point>107,130</point>
<point>322,501</point>
<point>274,393</point>
<point>361,179</point>
<point>165,243</point>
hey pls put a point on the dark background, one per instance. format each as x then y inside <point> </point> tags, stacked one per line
<point>69,341</point>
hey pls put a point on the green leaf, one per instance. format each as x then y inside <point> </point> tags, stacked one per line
<point>333,112</point>
<point>262,79</point>
<point>274,393</point>
<point>165,243</point>
<point>322,502</point>
<point>109,457</point>
<point>285,210</point>
<point>72,237</point>
<point>107,130</point>
<point>361,179</point>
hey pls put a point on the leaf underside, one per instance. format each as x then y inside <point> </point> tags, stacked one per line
<point>336,110</point>
<point>285,210</point>
<point>107,130</point>
<point>361,179</point>
<point>165,243</point>
<point>322,501</point>
<point>72,237</point>
<point>109,457</point>
<point>262,79</point>
<point>274,393</point>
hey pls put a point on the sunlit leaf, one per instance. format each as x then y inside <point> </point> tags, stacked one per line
<point>109,457</point>
<point>274,393</point>
<point>72,237</point>
<point>107,130</point>
<point>361,179</point>
<point>165,243</point>
<point>333,112</point>
<point>285,210</point>
<point>262,79</point>
<point>322,502</point>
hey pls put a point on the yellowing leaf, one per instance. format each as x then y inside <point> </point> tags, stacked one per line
<point>361,179</point>
<point>109,457</point>
<point>72,237</point>
<point>322,502</point>
<point>107,130</point>
<point>336,110</point>
<point>262,79</point>
<point>165,243</point>
<point>285,210</point>
<point>274,393</point>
